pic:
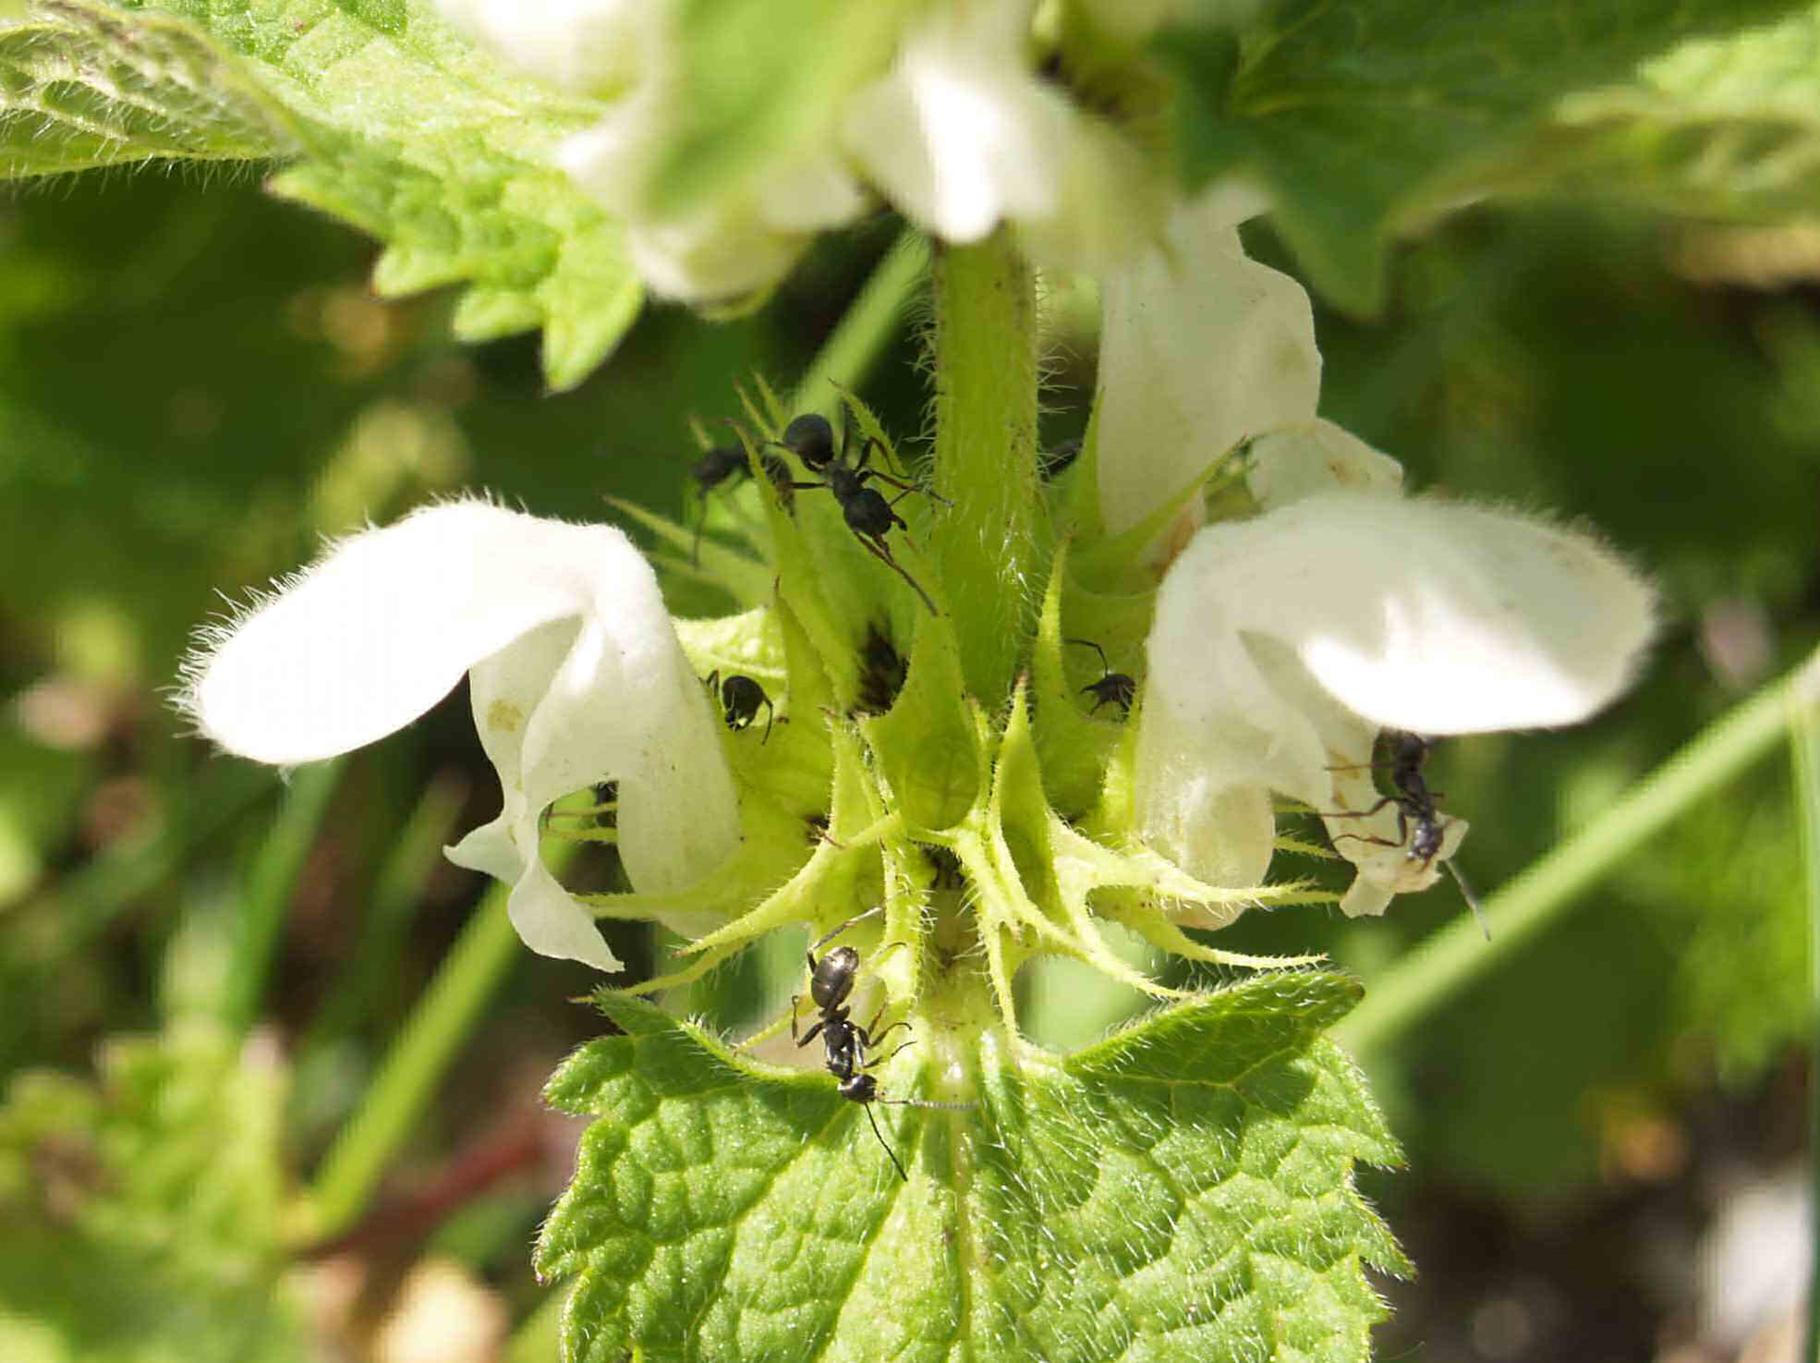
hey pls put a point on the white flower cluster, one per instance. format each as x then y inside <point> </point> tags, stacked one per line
<point>1282,643</point>
<point>953,127</point>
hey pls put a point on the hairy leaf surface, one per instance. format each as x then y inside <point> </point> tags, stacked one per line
<point>1182,1190</point>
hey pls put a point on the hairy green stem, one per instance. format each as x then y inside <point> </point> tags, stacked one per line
<point>461,991</point>
<point>1804,741</point>
<point>866,328</point>
<point>1455,956</point>
<point>984,545</point>
<point>270,886</point>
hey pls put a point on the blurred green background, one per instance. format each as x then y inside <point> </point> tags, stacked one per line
<point>196,385</point>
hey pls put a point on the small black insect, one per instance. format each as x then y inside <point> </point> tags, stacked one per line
<point>868,515</point>
<point>740,698</point>
<point>882,673</point>
<point>1114,688</point>
<point>1053,463</point>
<point>727,464</point>
<point>1421,828</point>
<point>844,1041</point>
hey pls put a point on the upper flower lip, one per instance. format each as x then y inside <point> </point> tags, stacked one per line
<point>577,678</point>
<point>1282,644</point>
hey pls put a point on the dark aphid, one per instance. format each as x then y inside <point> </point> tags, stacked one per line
<point>868,515</point>
<point>740,698</point>
<point>882,673</point>
<point>1113,688</point>
<point>844,1042</point>
<point>1053,463</point>
<point>1421,828</point>
<point>725,465</point>
<point>717,466</point>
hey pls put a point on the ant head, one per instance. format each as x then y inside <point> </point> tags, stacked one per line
<point>811,438</point>
<point>833,978</point>
<point>861,1088</point>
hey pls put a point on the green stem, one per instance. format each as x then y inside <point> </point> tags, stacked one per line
<point>464,986</point>
<point>1804,738</point>
<point>385,921</point>
<point>868,326</point>
<point>270,886</point>
<point>1452,958</point>
<point>985,455</point>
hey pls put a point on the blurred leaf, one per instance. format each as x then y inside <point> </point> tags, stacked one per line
<point>390,122</point>
<point>142,1210</point>
<point>1182,1190</point>
<point>82,85</point>
<point>1362,117</point>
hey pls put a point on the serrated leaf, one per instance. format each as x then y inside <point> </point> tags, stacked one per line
<point>1181,1191</point>
<point>386,119</point>
<point>1364,115</point>
<point>82,85</point>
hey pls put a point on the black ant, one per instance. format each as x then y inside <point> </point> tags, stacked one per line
<point>725,464</point>
<point>844,1041</point>
<point>740,698</point>
<point>1420,826</point>
<point>868,515</point>
<point>1114,688</point>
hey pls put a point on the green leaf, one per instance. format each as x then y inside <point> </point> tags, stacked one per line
<point>1182,1190</point>
<point>82,85</point>
<point>142,1212</point>
<point>1362,117</point>
<point>385,118</point>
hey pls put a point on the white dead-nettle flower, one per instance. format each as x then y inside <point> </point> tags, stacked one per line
<point>575,674</point>
<point>585,46</point>
<point>961,134</point>
<point>1284,643</point>
<point>739,243</point>
<point>1200,348</point>
<point>952,126</point>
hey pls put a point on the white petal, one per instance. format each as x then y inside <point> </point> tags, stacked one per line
<point>961,134</point>
<point>1200,348</point>
<point>1293,462</point>
<point>1438,618</point>
<point>728,250</point>
<point>376,633</point>
<point>578,44</point>
<point>1282,644</point>
<point>577,678</point>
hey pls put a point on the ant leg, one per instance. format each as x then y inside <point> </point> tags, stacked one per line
<point>872,912</point>
<point>801,487</point>
<point>770,715</point>
<point>874,1064</point>
<point>883,555</point>
<point>809,1035</point>
<point>1098,700</point>
<point>872,1039</point>
<point>895,1162</point>
<point>1361,837</point>
<point>1357,813</point>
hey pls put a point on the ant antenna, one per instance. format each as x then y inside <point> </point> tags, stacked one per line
<point>1088,643</point>
<point>896,1163</point>
<point>1466,893</point>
